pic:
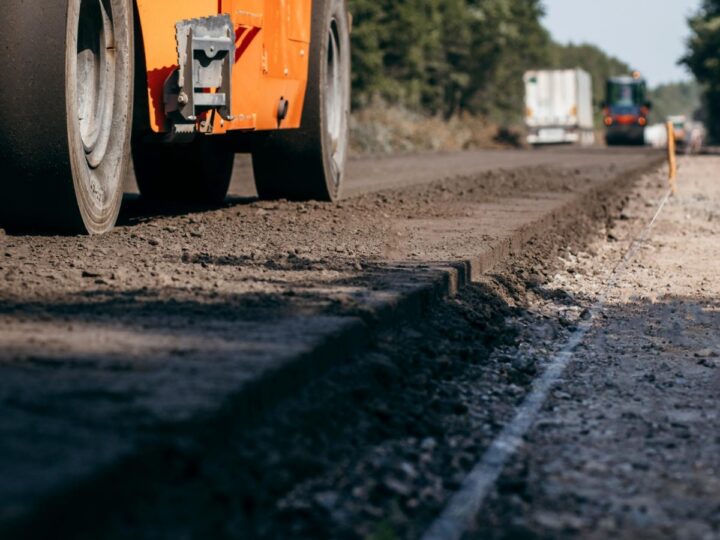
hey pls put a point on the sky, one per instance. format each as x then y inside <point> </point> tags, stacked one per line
<point>649,35</point>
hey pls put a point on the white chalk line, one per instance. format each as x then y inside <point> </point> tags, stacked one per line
<point>463,508</point>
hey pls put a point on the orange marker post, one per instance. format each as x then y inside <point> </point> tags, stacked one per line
<point>672,158</point>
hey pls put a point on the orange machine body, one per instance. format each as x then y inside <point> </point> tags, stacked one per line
<point>272,45</point>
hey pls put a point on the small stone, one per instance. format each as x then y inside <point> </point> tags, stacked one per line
<point>556,522</point>
<point>383,368</point>
<point>326,499</point>
<point>413,334</point>
<point>524,365</point>
<point>712,363</point>
<point>396,486</point>
<point>706,353</point>
<point>428,444</point>
<point>408,469</point>
<point>90,275</point>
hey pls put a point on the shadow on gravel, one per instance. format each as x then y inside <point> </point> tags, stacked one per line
<point>373,448</point>
<point>218,476</point>
<point>137,210</point>
<point>186,309</point>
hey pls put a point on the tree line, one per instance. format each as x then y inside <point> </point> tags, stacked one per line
<point>446,57</point>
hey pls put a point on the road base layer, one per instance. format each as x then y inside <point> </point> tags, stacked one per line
<point>182,321</point>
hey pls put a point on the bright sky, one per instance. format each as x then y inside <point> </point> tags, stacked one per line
<point>648,34</point>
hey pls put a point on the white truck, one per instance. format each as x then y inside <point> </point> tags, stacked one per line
<point>559,107</point>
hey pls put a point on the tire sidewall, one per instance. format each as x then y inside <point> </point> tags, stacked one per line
<point>332,10</point>
<point>99,207</point>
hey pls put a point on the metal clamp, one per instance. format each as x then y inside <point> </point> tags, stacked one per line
<point>202,82</point>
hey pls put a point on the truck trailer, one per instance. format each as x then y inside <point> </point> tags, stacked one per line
<point>559,107</point>
<point>172,90</point>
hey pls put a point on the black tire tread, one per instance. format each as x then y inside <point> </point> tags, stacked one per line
<point>290,164</point>
<point>36,184</point>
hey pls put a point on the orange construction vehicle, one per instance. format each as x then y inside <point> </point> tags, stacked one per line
<point>172,90</point>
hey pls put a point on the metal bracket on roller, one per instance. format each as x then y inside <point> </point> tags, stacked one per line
<point>202,82</point>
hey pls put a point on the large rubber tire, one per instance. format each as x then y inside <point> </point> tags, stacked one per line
<point>66,100</point>
<point>198,173</point>
<point>309,163</point>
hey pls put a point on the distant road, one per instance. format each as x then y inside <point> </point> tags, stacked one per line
<point>368,174</point>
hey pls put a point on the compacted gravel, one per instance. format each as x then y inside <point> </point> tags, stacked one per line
<point>626,447</point>
<point>106,340</point>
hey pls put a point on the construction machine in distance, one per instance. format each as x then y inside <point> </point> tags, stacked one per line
<point>172,90</point>
<point>626,110</point>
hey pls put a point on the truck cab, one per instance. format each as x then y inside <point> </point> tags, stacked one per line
<point>626,110</point>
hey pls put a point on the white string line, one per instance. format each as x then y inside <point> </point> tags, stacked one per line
<point>462,509</point>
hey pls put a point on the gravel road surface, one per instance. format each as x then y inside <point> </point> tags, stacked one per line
<point>629,444</point>
<point>156,334</point>
<point>370,174</point>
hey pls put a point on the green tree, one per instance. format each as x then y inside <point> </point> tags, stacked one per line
<point>368,34</point>
<point>508,39</point>
<point>446,56</point>
<point>453,56</point>
<point>703,59</point>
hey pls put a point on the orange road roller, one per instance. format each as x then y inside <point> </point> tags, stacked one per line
<point>170,91</point>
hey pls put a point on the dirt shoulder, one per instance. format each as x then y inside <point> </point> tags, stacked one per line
<point>628,445</point>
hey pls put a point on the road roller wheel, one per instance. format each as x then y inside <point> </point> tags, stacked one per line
<point>66,98</point>
<point>309,163</point>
